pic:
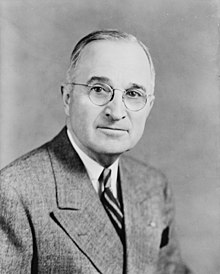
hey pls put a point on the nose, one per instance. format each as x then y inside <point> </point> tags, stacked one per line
<point>116,109</point>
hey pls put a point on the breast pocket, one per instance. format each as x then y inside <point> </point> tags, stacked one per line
<point>165,237</point>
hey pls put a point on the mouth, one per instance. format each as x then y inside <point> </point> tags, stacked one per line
<point>114,128</point>
<point>116,131</point>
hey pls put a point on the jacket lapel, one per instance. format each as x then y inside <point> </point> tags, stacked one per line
<point>142,217</point>
<point>79,211</point>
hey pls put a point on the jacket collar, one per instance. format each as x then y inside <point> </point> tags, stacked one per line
<point>79,210</point>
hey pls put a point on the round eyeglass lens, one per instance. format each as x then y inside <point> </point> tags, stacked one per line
<point>100,94</point>
<point>135,104</point>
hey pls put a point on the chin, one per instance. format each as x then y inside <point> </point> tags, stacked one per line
<point>114,149</point>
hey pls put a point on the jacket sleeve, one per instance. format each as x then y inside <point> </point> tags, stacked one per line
<point>170,261</point>
<point>15,233</point>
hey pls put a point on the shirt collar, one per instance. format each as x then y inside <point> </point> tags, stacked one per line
<point>93,168</point>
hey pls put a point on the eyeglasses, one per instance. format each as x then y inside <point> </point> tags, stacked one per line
<point>101,94</point>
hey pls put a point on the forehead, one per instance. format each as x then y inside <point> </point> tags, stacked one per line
<point>120,61</point>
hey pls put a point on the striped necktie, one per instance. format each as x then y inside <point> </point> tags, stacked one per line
<point>111,204</point>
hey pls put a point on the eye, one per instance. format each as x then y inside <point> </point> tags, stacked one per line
<point>100,89</point>
<point>134,93</point>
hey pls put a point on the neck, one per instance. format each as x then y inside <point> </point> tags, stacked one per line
<point>103,159</point>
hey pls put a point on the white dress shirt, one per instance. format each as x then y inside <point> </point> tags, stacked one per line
<point>94,169</point>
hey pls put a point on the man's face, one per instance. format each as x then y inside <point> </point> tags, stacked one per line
<point>108,131</point>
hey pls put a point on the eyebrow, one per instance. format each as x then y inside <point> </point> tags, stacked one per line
<point>99,79</point>
<point>137,86</point>
<point>106,80</point>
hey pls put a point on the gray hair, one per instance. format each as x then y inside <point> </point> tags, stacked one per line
<point>111,35</point>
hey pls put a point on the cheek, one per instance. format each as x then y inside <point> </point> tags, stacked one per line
<point>138,125</point>
<point>79,120</point>
<point>139,129</point>
<point>83,116</point>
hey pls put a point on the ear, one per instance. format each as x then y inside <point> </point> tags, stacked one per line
<point>151,101</point>
<point>65,91</point>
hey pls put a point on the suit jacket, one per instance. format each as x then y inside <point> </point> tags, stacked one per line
<point>52,220</point>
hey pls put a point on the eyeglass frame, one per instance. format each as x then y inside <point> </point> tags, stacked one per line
<point>113,94</point>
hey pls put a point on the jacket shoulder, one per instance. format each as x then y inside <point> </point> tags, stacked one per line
<point>33,161</point>
<point>25,166</point>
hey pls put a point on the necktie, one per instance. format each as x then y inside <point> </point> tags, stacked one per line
<point>111,204</point>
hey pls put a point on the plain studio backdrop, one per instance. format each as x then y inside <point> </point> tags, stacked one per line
<point>182,133</point>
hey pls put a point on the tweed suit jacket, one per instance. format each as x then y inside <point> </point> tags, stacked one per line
<point>52,220</point>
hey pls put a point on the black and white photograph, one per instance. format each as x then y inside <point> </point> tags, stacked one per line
<point>109,137</point>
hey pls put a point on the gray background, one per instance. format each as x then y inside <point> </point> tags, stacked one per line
<point>182,133</point>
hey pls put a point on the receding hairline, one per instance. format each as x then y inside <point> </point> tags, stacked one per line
<point>105,35</point>
<point>94,46</point>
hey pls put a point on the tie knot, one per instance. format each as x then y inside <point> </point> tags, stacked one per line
<point>105,178</point>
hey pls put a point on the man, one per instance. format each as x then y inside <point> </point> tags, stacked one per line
<point>76,205</point>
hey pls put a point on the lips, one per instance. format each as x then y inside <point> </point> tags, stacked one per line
<point>114,132</point>
<point>112,128</point>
